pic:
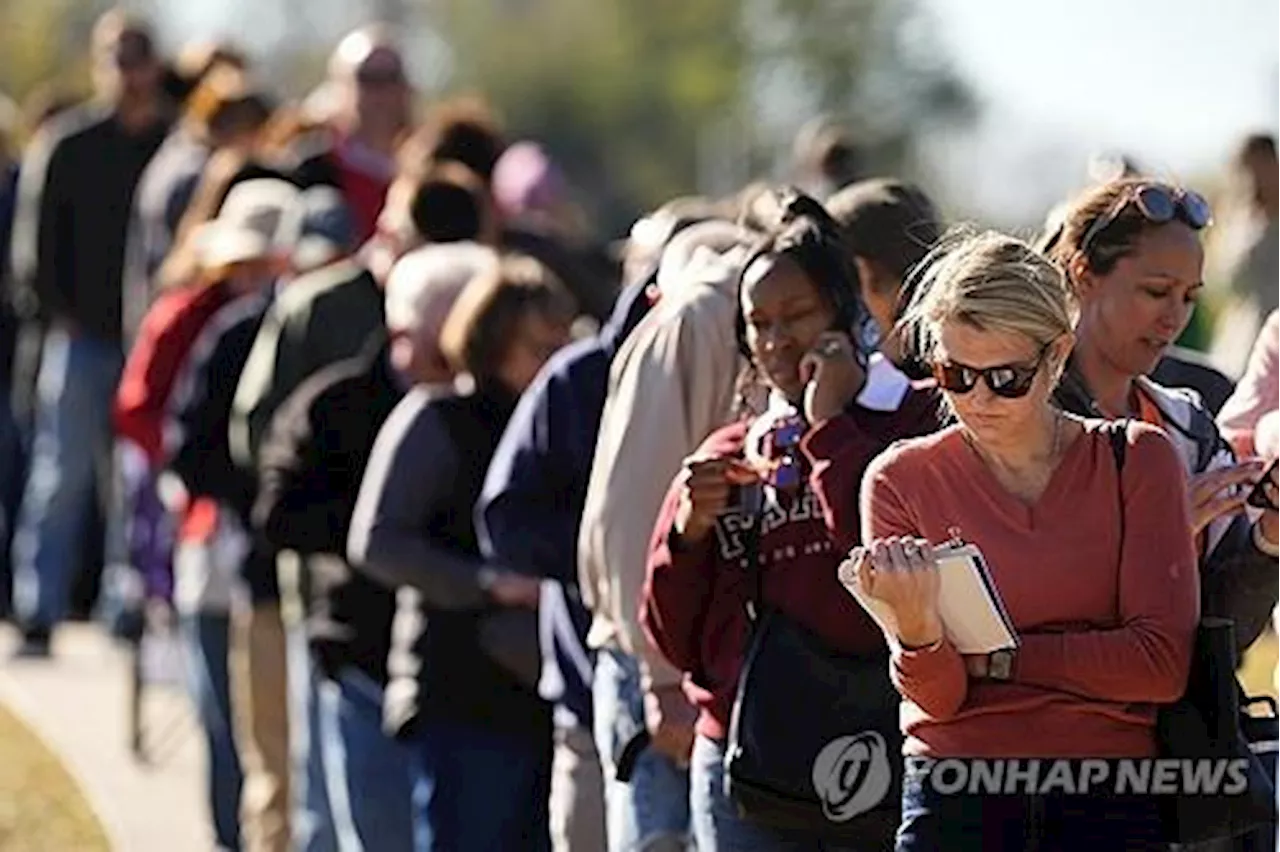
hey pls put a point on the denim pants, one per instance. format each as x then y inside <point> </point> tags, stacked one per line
<point>12,476</point>
<point>207,637</point>
<point>312,822</point>
<point>716,824</point>
<point>367,772</point>
<point>476,790</point>
<point>72,435</point>
<point>1008,823</point>
<point>651,811</point>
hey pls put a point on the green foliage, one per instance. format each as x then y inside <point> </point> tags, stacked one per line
<point>638,98</point>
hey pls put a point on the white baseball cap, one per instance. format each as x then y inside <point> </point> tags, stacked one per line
<point>258,219</point>
<point>424,284</point>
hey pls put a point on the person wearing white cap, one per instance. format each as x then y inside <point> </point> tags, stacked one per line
<point>240,256</point>
<point>311,465</point>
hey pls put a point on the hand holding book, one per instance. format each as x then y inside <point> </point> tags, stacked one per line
<point>919,593</point>
<point>901,576</point>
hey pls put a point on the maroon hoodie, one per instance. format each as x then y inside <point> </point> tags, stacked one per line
<point>693,605</point>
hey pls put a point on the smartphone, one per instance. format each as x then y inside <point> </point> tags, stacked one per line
<point>1258,496</point>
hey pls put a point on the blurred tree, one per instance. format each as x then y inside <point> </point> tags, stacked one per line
<point>643,100</point>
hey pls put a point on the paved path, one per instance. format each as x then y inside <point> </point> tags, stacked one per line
<point>77,702</point>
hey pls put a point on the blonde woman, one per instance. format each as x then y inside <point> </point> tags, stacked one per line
<point>1094,564</point>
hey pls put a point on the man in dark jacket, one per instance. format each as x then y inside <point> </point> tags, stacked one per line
<point>311,466</point>
<point>68,257</point>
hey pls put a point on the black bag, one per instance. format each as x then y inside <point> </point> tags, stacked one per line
<point>814,744</point>
<point>1210,721</point>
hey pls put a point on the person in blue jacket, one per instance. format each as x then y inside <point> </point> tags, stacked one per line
<point>527,517</point>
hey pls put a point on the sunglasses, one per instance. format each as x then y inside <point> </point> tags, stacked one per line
<point>1007,381</point>
<point>1158,205</point>
<point>380,76</point>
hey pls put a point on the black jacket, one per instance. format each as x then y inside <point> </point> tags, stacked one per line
<point>311,464</point>
<point>196,440</point>
<point>75,203</point>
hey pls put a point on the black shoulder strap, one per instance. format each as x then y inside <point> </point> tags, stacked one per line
<point>1118,432</point>
<point>753,505</point>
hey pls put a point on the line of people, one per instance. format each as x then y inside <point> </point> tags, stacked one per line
<point>451,579</point>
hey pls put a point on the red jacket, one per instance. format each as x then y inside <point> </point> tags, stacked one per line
<point>168,332</point>
<point>692,608</point>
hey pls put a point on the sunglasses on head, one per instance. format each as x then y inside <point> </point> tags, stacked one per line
<point>1158,205</point>
<point>1008,381</point>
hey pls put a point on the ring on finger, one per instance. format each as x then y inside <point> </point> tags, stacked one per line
<point>830,347</point>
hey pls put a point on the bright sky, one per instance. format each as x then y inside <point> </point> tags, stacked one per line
<point>1173,82</point>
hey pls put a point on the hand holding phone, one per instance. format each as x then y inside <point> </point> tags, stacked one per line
<point>833,376</point>
<point>1258,497</point>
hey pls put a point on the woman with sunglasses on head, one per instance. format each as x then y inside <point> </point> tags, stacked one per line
<point>1103,596</point>
<point>798,320</point>
<point>1131,252</point>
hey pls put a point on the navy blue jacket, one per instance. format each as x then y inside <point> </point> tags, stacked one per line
<point>531,506</point>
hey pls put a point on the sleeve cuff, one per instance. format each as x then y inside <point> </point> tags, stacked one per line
<point>1260,542</point>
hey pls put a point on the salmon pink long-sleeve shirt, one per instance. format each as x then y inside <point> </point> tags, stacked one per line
<point>1105,602</point>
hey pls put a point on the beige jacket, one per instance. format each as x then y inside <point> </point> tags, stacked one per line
<point>671,384</point>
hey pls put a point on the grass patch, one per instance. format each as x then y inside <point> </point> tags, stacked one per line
<point>41,808</point>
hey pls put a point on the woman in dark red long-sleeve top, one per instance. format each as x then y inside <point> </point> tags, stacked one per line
<point>795,291</point>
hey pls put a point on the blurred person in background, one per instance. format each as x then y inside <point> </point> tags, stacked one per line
<point>10,436</point>
<point>370,112</point>
<point>671,383</point>
<point>68,260</point>
<point>311,464</point>
<point>464,659</point>
<point>532,197</point>
<point>826,157</point>
<point>547,448</point>
<point>888,226</point>
<point>221,110</point>
<point>199,460</point>
<point>323,317</point>
<point>240,256</point>
<point>1131,250</point>
<point>1250,421</point>
<point>465,130</point>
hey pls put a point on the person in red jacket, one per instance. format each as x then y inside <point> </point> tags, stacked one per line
<point>799,317</point>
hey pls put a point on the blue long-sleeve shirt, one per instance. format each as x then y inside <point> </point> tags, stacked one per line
<point>529,510</point>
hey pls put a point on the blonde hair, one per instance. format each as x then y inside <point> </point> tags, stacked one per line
<point>992,282</point>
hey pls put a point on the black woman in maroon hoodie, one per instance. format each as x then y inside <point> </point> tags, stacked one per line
<point>831,399</point>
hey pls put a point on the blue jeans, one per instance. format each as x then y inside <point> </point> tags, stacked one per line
<point>370,794</point>
<point>72,434</point>
<point>716,824</point>
<point>312,819</point>
<point>207,638</point>
<point>653,807</point>
<point>476,790</point>
<point>12,475</point>
<point>933,821</point>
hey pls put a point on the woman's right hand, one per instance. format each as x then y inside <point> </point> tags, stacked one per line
<point>705,485</point>
<point>903,574</point>
<point>1208,502</point>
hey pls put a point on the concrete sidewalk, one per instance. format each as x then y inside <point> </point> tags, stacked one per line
<point>78,703</point>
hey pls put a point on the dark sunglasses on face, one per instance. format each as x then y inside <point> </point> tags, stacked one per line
<point>1008,381</point>
<point>1158,205</point>
<point>385,76</point>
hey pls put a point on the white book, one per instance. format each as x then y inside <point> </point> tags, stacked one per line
<point>973,616</point>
